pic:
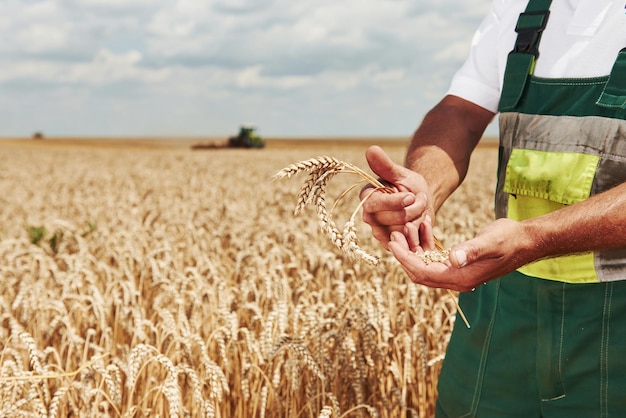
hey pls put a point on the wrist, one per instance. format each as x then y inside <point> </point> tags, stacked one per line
<point>535,240</point>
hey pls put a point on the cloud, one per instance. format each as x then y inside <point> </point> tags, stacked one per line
<point>298,68</point>
<point>41,37</point>
<point>105,68</point>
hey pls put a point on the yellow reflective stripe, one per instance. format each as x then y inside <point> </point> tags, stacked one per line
<point>540,182</point>
<point>563,177</point>
<point>525,207</point>
<point>570,269</point>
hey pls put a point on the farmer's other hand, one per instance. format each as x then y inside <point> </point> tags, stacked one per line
<point>500,248</point>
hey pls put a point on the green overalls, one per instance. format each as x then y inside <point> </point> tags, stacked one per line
<point>550,339</point>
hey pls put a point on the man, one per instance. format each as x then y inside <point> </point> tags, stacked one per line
<point>544,286</point>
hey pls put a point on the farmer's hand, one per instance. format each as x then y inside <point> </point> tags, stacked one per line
<point>501,247</point>
<point>386,212</point>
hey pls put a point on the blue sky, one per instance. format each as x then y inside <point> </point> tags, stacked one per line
<point>202,68</point>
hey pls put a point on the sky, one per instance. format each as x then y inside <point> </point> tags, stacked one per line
<point>168,68</point>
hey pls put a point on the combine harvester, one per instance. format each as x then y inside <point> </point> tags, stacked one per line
<point>247,138</point>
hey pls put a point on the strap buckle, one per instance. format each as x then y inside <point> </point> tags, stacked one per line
<point>529,27</point>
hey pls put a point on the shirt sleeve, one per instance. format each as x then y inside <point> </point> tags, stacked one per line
<point>478,79</point>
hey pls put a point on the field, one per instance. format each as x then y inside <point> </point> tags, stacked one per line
<point>141,278</point>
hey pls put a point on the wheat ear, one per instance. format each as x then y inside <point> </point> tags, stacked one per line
<point>321,170</point>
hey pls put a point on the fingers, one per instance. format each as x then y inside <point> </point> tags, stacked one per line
<point>383,234</point>
<point>420,237</point>
<point>383,165</point>
<point>386,213</point>
<point>427,237</point>
<point>412,235</point>
<point>491,254</point>
<point>393,208</point>
<point>399,246</point>
<point>379,200</point>
<point>417,270</point>
<point>389,212</point>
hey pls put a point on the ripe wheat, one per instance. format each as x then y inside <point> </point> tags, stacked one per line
<point>159,290</point>
<point>321,170</point>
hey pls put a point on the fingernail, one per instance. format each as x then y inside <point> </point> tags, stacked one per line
<point>461,257</point>
<point>407,201</point>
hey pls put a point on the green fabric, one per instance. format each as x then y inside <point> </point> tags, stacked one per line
<point>601,96</point>
<point>538,5</point>
<point>518,69</point>
<point>530,21</point>
<point>614,95</point>
<point>553,97</point>
<point>537,348</point>
<point>520,64</point>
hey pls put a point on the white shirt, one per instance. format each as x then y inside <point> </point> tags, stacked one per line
<point>582,39</point>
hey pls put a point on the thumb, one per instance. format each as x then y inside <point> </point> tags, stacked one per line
<point>383,166</point>
<point>464,254</point>
<point>488,243</point>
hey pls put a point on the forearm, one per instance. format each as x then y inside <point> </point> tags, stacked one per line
<point>441,147</point>
<point>598,223</point>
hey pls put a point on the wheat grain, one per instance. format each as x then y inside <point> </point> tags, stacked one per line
<point>136,359</point>
<point>322,163</point>
<point>33,352</point>
<point>434,256</point>
<point>170,386</point>
<point>351,247</point>
<point>56,400</point>
<point>195,385</point>
<point>326,412</point>
<point>13,409</point>
<point>263,406</point>
<point>335,403</point>
<point>35,394</point>
<point>209,407</point>
<point>314,185</point>
<point>326,223</point>
<point>112,378</point>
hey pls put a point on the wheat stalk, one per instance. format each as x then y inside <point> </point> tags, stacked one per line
<point>321,170</point>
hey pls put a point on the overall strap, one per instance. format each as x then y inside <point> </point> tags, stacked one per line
<point>614,94</point>
<point>521,60</point>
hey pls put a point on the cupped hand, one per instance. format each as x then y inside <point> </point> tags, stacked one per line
<point>500,248</point>
<point>387,212</point>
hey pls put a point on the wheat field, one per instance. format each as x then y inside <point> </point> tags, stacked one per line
<point>156,281</point>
